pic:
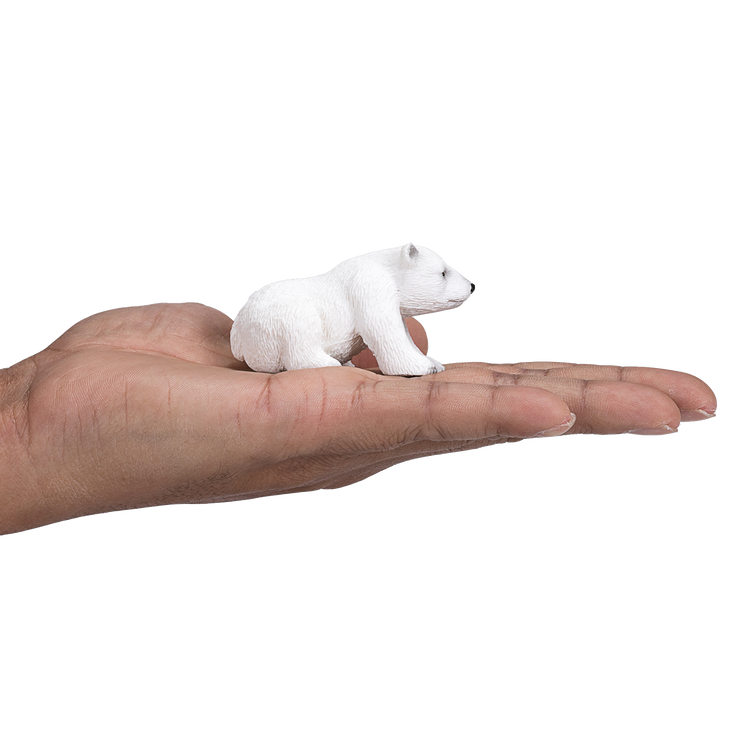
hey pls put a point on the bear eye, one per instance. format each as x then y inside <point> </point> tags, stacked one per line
<point>443,274</point>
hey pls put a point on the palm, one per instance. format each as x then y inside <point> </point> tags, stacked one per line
<point>188,332</point>
<point>158,411</point>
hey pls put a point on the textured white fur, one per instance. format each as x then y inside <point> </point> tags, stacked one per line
<point>325,320</point>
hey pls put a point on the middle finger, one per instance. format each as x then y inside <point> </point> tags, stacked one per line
<point>601,406</point>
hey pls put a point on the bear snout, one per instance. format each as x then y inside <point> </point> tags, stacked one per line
<point>472,288</point>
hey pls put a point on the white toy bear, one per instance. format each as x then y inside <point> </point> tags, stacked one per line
<point>325,320</point>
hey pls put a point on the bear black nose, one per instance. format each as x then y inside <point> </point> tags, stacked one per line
<point>472,289</point>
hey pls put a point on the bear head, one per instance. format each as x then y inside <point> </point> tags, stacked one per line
<point>427,283</point>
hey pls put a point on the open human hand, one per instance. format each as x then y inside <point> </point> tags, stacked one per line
<point>146,406</point>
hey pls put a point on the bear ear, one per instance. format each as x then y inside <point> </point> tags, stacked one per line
<point>409,253</point>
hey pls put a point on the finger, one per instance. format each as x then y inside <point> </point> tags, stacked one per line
<point>693,397</point>
<point>349,411</point>
<point>602,407</point>
<point>366,359</point>
<point>384,412</point>
<point>540,365</point>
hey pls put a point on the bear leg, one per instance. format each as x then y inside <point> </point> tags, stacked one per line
<point>301,349</point>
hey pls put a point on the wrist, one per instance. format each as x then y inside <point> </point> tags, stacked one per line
<point>17,477</point>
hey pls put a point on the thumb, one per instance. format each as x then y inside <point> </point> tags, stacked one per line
<point>366,358</point>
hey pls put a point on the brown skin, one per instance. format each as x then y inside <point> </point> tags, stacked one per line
<point>146,406</point>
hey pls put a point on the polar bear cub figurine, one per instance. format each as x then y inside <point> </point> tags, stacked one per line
<point>325,320</point>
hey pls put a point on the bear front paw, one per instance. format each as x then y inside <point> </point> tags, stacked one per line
<point>436,366</point>
<point>414,368</point>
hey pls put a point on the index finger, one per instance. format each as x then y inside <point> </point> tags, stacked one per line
<point>403,411</point>
<point>348,411</point>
